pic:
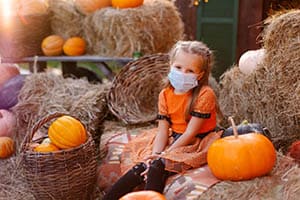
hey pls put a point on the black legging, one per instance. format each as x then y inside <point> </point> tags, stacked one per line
<point>156,178</point>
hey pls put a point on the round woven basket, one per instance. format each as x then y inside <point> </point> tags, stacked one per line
<point>65,174</point>
<point>134,92</point>
<point>24,35</point>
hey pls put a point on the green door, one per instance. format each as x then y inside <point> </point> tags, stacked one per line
<point>217,27</point>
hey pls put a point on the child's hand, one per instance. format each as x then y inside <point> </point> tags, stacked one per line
<point>148,160</point>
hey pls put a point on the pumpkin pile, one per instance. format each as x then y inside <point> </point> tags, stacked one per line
<point>241,157</point>
<point>55,45</point>
<point>65,132</point>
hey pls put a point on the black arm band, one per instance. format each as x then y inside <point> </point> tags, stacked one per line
<point>200,115</point>
<point>164,117</point>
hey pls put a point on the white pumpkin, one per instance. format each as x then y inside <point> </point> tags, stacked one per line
<point>250,59</point>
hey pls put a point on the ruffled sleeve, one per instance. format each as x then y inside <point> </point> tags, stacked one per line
<point>205,103</point>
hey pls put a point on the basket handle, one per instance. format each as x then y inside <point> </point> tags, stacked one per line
<point>28,137</point>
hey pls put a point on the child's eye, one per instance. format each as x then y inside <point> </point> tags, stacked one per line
<point>190,71</point>
<point>177,67</point>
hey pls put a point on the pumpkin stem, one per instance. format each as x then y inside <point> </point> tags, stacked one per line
<point>245,122</point>
<point>235,132</point>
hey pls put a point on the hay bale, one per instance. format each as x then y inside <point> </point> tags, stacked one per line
<point>66,20</point>
<point>151,28</point>
<point>271,94</point>
<point>282,183</point>
<point>44,93</point>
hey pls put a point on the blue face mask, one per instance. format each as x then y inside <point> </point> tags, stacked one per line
<point>182,82</point>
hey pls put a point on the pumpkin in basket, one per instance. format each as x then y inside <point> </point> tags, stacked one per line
<point>33,7</point>
<point>7,147</point>
<point>67,132</point>
<point>89,6</point>
<point>127,3</point>
<point>74,46</point>
<point>46,147</point>
<point>52,45</point>
<point>241,157</point>
<point>143,195</point>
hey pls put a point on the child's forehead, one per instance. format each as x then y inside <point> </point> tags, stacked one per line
<point>182,55</point>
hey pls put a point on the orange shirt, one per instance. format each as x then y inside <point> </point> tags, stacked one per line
<point>174,106</point>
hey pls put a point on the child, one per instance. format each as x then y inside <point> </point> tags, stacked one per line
<point>186,124</point>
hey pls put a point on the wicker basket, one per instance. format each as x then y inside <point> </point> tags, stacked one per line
<point>65,174</point>
<point>24,35</point>
<point>134,92</point>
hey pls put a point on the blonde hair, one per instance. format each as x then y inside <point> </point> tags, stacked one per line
<point>201,49</point>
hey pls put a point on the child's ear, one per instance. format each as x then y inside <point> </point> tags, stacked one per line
<point>200,75</point>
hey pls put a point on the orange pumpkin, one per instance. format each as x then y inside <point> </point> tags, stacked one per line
<point>46,147</point>
<point>127,3</point>
<point>33,7</point>
<point>67,132</point>
<point>53,45</point>
<point>7,147</point>
<point>74,46</point>
<point>241,157</point>
<point>143,195</point>
<point>89,6</point>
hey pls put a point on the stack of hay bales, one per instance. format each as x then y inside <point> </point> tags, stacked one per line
<point>151,28</point>
<point>271,94</point>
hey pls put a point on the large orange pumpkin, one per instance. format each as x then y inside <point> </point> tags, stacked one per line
<point>143,195</point>
<point>33,7</point>
<point>241,157</point>
<point>89,6</point>
<point>67,132</point>
<point>127,3</point>
<point>74,46</point>
<point>53,45</point>
<point>7,147</point>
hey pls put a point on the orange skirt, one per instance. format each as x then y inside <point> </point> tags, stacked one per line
<point>179,160</point>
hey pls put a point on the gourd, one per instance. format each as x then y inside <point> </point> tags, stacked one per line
<point>7,147</point>
<point>74,46</point>
<point>46,147</point>
<point>67,132</point>
<point>250,59</point>
<point>89,6</point>
<point>294,150</point>
<point>7,123</point>
<point>127,3</point>
<point>52,45</point>
<point>10,90</point>
<point>143,195</point>
<point>241,157</point>
<point>246,127</point>
<point>7,71</point>
<point>33,7</point>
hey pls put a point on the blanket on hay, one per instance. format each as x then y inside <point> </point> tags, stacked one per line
<point>189,185</point>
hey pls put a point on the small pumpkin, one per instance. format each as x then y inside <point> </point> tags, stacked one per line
<point>89,6</point>
<point>7,147</point>
<point>33,7</point>
<point>10,90</point>
<point>246,127</point>
<point>52,45</point>
<point>249,60</point>
<point>127,3</point>
<point>241,157</point>
<point>7,123</point>
<point>294,150</point>
<point>7,71</point>
<point>46,147</point>
<point>143,195</point>
<point>67,132</point>
<point>74,46</point>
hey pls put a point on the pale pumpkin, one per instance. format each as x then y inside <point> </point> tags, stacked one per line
<point>7,147</point>
<point>241,157</point>
<point>52,45</point>
<point>33,7</point>
<point>143,195</point>
<point>74,46</point>
<point>46,147</point>
<point>67,132</point>
<point>249,60</point>
<point>7,123</point>
<point>7,71</point>
<point>89,6</point>
<point>127,3</point>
